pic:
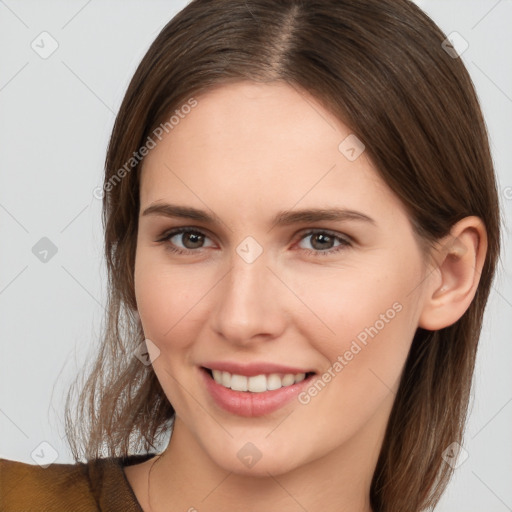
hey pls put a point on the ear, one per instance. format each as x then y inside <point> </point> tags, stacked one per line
<point>460,257</point>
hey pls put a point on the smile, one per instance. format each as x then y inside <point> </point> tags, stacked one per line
<point>258,383</point>
<point>255,395</point>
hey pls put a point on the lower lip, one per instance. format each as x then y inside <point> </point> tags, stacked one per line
<point>246,403</point>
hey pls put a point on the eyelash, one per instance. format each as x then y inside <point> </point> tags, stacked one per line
<point>345,242</point>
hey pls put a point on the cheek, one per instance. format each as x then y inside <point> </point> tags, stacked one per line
<point>367,319</point>
<point>169,300</point>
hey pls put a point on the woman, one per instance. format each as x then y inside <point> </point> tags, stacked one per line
<point>301,231</point>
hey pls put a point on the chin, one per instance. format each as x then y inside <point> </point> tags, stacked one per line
<point>245,458</point>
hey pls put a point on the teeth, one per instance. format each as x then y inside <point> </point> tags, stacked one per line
<point>258,383</point>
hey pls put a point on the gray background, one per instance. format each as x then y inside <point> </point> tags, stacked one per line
<point>56,117</point>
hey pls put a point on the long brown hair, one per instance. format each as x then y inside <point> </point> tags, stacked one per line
<point>380,67</point>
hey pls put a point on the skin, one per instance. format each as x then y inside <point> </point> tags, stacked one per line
<point>246,152</point>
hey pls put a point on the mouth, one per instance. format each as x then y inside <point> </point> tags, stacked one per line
<point>255,395</point>
<point>256,383</point>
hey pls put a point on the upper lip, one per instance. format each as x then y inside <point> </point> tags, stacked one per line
<point>252,369</point>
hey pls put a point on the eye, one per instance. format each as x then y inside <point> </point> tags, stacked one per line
<point>189,238</point>
<point>322,242</point>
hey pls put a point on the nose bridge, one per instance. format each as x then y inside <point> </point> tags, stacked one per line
<point>249,303</point>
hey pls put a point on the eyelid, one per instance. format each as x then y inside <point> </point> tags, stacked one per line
<point>301,233</point>
<point>167,233</point>
<point>204,231</point>
<point>330,232</point>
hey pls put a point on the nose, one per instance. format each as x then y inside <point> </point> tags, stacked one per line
<point>250,303</point>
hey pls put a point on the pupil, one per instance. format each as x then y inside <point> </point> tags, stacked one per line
<point>321,236</point>
<point>196,240</point>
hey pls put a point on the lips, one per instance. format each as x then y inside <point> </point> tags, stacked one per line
<point>244,402</point>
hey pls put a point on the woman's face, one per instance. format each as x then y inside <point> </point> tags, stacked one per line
<point>257,286</point>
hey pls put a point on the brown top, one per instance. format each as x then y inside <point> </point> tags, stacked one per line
<point>98,485</point>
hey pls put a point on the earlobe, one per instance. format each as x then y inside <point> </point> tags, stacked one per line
<point>460,257</point>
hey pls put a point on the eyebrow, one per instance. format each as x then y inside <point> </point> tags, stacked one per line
<point>283,218</point>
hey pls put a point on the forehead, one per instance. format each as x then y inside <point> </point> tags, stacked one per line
<point>259,144</point>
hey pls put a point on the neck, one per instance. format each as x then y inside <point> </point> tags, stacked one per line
<point>186,478</point>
